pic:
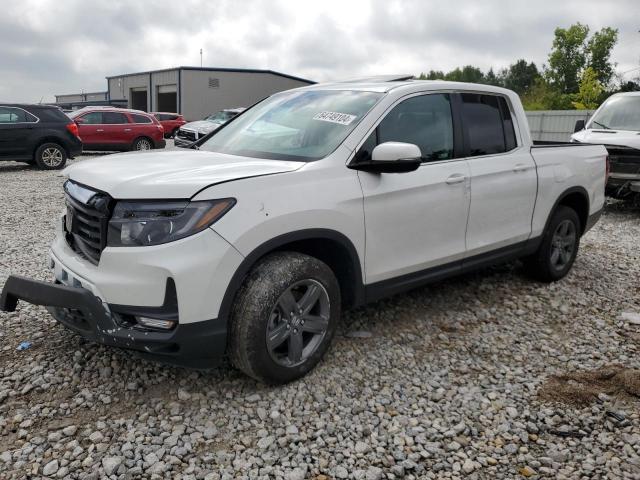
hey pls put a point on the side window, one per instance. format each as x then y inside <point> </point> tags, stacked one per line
<point>137,118</point>
<point>15,115</point>
<point>92,118</point>
<point>483,122</point>
<point>424,121</point>
<point>110,118</point>
<point>507,121</point>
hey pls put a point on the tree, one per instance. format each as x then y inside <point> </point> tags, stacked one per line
<point>521,76</point>
<point>599,53</point>
<point>492,79</point>
<point>545,96</point>
<point>568,57</point>
<point>589,92</point>
<point>469,73</point>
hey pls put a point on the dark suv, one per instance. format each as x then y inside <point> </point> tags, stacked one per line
<point>37,134</point>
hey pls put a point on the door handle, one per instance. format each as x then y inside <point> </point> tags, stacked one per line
<point>456,178</point>
<point>520,167</point>
<point>127,129</point>
<point>99,130</point>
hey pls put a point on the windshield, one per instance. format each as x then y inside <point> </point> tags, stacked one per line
<point>618,113</point>
<point>221,117</point>
<point>297,125</point>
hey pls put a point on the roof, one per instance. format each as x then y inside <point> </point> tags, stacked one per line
<point>110,107</point>
<point>408,85</point>
<point>216,69</point>
<point>29,105</point>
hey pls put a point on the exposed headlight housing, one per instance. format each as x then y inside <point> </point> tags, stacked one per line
<point>146,223</point>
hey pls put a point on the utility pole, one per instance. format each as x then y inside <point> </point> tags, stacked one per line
<point>200,58</point>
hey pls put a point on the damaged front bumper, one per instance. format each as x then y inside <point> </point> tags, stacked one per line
<point>195,345</point>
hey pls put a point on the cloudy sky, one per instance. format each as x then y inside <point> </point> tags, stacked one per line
<point>52,47</point>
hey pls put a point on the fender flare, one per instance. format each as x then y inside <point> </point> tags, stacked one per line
<point>274,244</point>
<point>562,196</point>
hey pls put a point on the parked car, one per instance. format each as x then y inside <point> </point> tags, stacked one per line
<point>616,124</point>
<point>118,129</point>
<point>171,122</point>
<point>254,243</point>
<point>192,131</point>
<point>41,135</point>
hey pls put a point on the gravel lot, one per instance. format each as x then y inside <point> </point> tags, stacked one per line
<point>447,386</point>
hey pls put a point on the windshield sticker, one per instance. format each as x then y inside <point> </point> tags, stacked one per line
<point>335,117</point>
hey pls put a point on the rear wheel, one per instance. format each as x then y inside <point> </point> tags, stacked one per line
<point>142,143</point>
<point>558,248</point>
<point>284,318</point>
<point>50,156</point>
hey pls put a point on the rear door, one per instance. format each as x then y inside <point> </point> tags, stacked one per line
<point>90,129</point>
<point>503,175</point>
<point>16,126</point>
<point>416,220</point>
<point>117,131</point>
<point>140,126</point>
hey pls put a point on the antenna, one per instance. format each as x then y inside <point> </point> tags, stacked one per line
<point>200,58</point>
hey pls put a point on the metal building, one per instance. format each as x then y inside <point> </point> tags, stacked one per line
<point>555,125</point>
<point>73,101</point>
<point>196,92</point>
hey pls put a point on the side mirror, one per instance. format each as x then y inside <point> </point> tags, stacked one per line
<point>392,157</point>
<point>579,126</point>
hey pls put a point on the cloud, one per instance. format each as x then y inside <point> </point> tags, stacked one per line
<point>50,47</point>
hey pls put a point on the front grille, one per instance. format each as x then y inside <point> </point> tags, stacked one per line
<point>86,225</point>
<point>187,135</point>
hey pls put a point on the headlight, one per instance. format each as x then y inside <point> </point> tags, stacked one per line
<point>144,223</point>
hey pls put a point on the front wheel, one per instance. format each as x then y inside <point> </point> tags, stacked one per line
<point>50,156</point>
<point>558,248</point>
<point>284,317</point>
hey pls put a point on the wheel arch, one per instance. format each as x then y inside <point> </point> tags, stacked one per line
<point>329,246</point>
<point>50,139</point>
<point>576,198</point>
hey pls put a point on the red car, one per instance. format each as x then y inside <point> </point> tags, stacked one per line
<point>170,121</point>
<point>110,128</point>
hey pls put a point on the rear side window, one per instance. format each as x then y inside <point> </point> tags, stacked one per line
<point>424,121</point>
<point>110,118</point>
<point>137,118</point>
<point>488,123</point>
<point>483,123</point>
<point>16,115</point>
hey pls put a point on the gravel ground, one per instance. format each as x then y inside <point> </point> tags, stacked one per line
<point>447,385</point>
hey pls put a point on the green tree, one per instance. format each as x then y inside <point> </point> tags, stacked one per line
<point>599,50</point>
<point>468,73</point>
<point>568,57</point>
<point>492,79</point>
<point>589,92</point>
<point>545,96</point>
<point>521,76</point>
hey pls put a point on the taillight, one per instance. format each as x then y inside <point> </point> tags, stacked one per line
<point>608,167</point>
<point>73,129</point>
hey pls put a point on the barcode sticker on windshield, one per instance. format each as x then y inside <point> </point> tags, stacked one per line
<point>335,117</point>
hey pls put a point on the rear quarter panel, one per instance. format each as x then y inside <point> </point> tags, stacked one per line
<point>563,168</point>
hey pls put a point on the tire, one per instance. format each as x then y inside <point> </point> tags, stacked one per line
<point>558,248</point>
<point>283,281</point>
<point>142,143</point>
<point>50,156</point>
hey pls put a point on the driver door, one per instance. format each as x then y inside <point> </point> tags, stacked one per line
<point>416,222</point>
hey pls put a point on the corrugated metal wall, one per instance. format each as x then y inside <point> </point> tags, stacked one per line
<point>555,125</point>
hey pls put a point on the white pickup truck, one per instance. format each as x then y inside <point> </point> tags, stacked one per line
<point>312,201</point>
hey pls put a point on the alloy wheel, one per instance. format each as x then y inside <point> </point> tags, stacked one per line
<point>143,144</point>
<point>563,244</point>
<point>298,323</point>
<point>52,157</point>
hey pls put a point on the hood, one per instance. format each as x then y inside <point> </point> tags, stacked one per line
<point>171,174</point>
<point>624,138</point>
<point>202,126</point>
